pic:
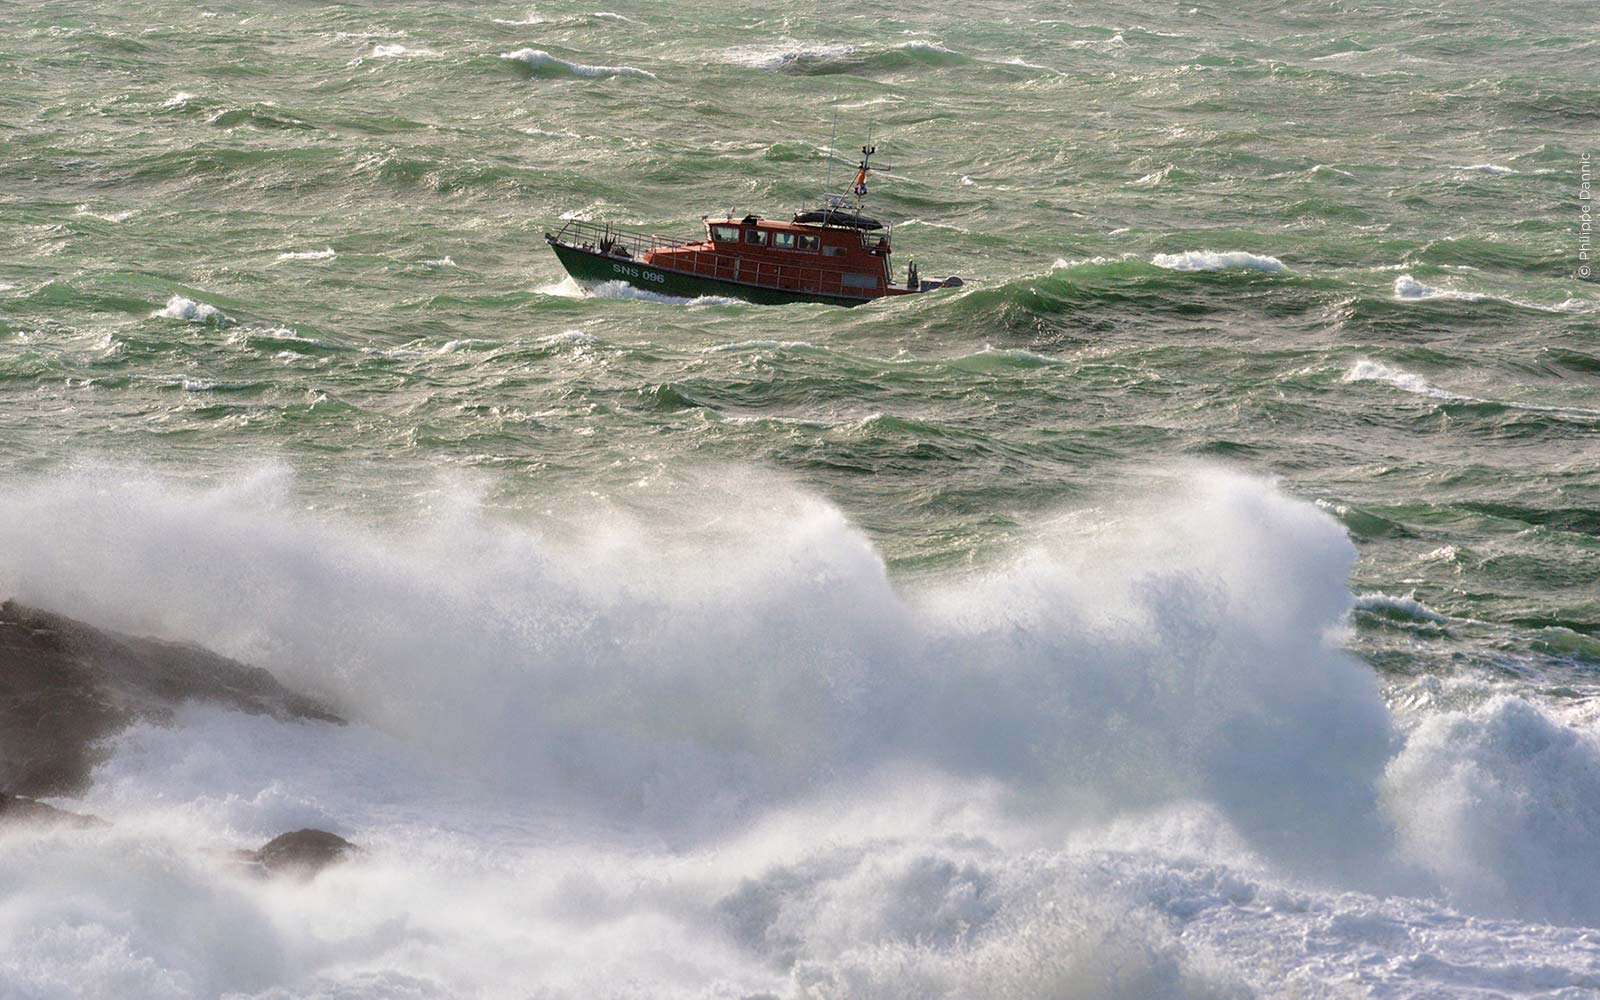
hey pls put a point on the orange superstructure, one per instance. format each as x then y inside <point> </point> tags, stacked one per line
<point>819,259</point>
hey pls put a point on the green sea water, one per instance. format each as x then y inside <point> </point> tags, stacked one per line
<point>1333,245</point>
<point>362,193</point>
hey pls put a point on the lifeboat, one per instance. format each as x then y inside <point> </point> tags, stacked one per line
<point>831,254</point>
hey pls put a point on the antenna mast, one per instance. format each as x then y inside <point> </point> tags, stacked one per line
<point>861,175</point>
<point>827,157</point>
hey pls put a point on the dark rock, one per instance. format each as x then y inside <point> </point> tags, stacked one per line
<point>303,852</point>
<point>66,686</point>
<point>17,808</point>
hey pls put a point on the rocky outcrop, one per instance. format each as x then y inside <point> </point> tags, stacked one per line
<point>65,686</point>
<point>16,808</point>
<point>303,853</point>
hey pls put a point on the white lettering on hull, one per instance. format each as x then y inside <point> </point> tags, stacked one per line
<point>638,272</point>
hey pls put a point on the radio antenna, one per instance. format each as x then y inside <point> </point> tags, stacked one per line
<point>827,156</point>
<point>860,186</point>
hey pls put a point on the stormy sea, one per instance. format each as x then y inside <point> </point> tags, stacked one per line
<point>1201,601</point>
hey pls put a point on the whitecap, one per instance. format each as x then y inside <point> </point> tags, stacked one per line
<point>1210,260</point>
<point>461,344</point>
<point>1408,607</point>
<point>931,48</point>
<point>123,216</point>
<point>777,57</point>
<point>1376,371</point>
<point>759,345</point>
<point>400,52</point>
<point>577,337</point>
<point>1153,179</point>
<point>1062,263</point>
<point>541,61</point>
<point>1485,168</point>
<point>1024,64</point>
<point>789,55</point>
<point>1407,287</point>
<point>1014,354</point>
<point>190,311</point>
<point>933,225</point>
<point>327,254</point>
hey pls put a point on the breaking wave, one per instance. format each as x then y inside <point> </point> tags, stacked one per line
<point>538,62</point>
<point>190,311</point>
<point>396,51</point>
<point>686,751</point>
<point>1408,608</point>
<point>835,670</point>
<point>1210,260</point>
<point>533,19</point>
<point>1499,803</point>
<point>821,58</point>
<point>1376,371</point>
<point>1409,289</point>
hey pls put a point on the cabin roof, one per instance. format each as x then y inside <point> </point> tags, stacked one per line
<point>764,224</point>
<point>783,225</point>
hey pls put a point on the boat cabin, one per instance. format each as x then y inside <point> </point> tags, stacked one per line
<point>843,256</point>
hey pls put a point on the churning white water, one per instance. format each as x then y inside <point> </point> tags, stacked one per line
<point>727,756</point>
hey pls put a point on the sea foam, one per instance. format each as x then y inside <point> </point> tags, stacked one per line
<point>790,650</point>
<point>1500,802</point>
<point>1210,260</point>
<point>190,311</point>
<point>828,783</point>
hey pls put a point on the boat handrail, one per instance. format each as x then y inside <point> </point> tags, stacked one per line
<point>603,236</point>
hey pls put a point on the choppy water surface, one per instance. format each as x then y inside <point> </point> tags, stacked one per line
<point>1203,601</point>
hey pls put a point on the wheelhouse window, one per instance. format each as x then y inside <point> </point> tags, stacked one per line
<point>783,241</point>
<point>725,234</point>
<point>833,251</point>
<point>756,237</point>
<point>810,243</point>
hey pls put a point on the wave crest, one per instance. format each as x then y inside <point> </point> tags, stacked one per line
<point>1211,260</point>
<point>538,62</point>
<point>822,58</point>
<point>190,311</point>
